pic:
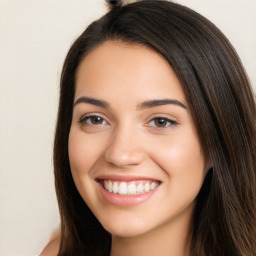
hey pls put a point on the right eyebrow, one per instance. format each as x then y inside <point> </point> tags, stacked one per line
<point>160,102</point>
<point>93,101</point>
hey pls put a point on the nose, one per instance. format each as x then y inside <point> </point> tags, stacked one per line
<point>124,150</point>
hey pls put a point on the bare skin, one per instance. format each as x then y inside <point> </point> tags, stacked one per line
<point>131,120</point>
<point>140,126</point>
<point>53,246</point>
<point>165,243</point>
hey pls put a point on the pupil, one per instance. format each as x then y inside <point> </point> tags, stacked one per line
<point>96,120</point>
<point>160,122</point>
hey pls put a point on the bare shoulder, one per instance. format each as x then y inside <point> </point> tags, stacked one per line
<point>52,248</point>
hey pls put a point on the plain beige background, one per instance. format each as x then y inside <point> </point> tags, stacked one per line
<point>34,38</point>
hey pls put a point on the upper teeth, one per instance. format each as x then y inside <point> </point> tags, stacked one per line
<point>129,188</point>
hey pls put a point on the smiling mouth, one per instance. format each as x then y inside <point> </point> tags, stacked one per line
<point>131,188</point>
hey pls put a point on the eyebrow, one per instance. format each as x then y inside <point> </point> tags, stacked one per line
<point>96,102</point>
<point>161,102</point>
<point>141,106</point>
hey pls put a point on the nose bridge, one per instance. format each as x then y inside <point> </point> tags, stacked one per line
<point>124,147</point>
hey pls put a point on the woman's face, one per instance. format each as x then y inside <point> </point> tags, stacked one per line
<point>134,152</point>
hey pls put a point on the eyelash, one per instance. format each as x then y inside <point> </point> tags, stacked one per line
<point>167,121</point>
<point>84,119</point>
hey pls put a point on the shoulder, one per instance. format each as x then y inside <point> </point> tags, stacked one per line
<point>53,246</point>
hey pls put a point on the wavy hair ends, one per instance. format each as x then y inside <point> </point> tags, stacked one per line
<point>222,105</point>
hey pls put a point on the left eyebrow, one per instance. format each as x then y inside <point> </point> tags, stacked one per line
<point>161,102</point>
<point>92,101</point>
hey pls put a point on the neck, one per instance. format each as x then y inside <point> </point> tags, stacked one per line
<point>172,239</point>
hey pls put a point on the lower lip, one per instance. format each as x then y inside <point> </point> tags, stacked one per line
<point>126,200</point>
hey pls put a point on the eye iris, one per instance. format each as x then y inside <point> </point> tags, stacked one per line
<point>96,120</point>
<point>160,122</point>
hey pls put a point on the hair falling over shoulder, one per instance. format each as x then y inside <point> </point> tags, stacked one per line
<point>221,102</point>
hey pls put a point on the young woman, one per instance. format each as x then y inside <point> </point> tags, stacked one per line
<point>155,142</point>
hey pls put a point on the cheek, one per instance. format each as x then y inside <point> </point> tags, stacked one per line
<point>77,150</point>
<point>81,155</point>
<point>83,151</point>
<point>182,160</point>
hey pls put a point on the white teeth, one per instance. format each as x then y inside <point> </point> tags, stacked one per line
<point>129,188</point>
<point>140,189</point>
<point>153,185</point>
<point>106,184</point>
<point>110,187</point>
<point>147,187</point>
<point>115,187</point>
<point>123,188</point>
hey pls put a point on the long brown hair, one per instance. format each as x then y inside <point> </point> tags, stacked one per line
<point>222,106</point>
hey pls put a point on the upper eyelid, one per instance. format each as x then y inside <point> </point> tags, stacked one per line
<point>171,121</point>
<point>148,119</point>
<point>164,116</point>
<point>91,115</point>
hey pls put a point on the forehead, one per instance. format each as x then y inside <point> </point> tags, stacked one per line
<point>116,68</point>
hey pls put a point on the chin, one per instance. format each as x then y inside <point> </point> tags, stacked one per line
<point>125,228</point>
<point>125,232</point>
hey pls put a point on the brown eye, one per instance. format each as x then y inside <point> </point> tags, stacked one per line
<point>161,122</point>
<point>96,120</point>
<point>93,120</point>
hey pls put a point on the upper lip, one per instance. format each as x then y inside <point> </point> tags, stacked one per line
<point>124,178</point>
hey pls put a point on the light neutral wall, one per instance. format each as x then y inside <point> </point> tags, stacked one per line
<point>34,38</point>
